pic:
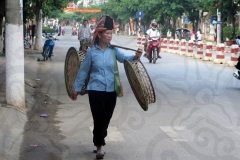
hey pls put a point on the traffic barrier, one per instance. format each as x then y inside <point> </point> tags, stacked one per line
<point>143,41</point>
<point>176,47</point>
<point>234,55</point>
<point>139,41</point>
<point>208,54</point>
<point>199,54</point>
<point>227,49</point>
<point>164,45</point>
<point>220,49</point>
<point>189,52</point>
<point>220,57</point>
<point>183,47</point>
<point>161,43</point>
<point>171,46</point>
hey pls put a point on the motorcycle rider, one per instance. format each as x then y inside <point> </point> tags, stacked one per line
<point>84,32</point>
<point>152,32</point>
<point>74,30</point>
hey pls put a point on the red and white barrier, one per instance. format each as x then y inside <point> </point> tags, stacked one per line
<point>189,52</point>
<point>139,41</point>
<point>208,54</point>
<point>220,57</point>
<point>171,46</point>
<point>219,49</point>
<point>161,43</point>
<point>199,54</point>
<point>164,45</point>
<point>143,41</point>
<point>176,47</point>
<point>234,55</point>
<point>183,47</point>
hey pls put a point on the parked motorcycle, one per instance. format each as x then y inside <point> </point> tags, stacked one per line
<point>153,48</point>
<point>48,47</point>
<point>26,43</point>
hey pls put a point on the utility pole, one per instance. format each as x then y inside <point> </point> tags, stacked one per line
<point>15,90</point>
<point>218,27</point>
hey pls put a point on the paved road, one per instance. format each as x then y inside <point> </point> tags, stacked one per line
<point>196,114</point>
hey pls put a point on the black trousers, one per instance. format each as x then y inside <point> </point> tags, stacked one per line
<point>80,48</point>
<point>102,106</point>
<point>238,64</point>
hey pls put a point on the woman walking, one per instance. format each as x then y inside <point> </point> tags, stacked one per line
<point>99,61</point>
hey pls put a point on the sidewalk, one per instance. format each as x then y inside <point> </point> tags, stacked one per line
<point>2,70</point>
<point>13,120</point>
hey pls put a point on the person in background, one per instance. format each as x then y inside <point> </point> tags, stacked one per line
<point>92,31</point>
<point>59,29</point>
<point>84,32</point>
<point>33,33</point>
<point>169,34</point>
<point>117,30</point>
<point>192,34</point>
<point>199,35</point>
<point>238,40</point>
<point>63,30</point>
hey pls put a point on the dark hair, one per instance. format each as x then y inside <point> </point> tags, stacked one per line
<point>85,20</point>
<point>96,40</point>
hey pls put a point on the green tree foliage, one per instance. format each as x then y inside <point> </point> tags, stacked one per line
<point>49,7</point>
<point>163,11</point>
<point>227,8</point>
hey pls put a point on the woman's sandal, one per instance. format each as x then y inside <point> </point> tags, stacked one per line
<point>100,154</point>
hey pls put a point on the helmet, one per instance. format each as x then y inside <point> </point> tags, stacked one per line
<point>154,24</point>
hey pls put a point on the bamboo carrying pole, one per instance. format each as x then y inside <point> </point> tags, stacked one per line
<point>124,47</point>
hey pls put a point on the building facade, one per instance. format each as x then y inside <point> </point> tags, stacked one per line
<point>87,3</point>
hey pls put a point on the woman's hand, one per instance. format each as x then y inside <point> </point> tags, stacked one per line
<point>74,95</point>
<point>138,53</point>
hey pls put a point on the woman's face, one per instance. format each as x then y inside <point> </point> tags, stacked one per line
<point>106,36</point>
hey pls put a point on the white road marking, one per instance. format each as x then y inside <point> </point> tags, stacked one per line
<point>113,134</point>
<point>179,133</point>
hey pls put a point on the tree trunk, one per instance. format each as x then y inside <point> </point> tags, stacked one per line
<point>1,21</point>
<point>38,41</point>
<point>174,27</point>
<point>1,35</point>
<point>233,24</point>
<point>15,93</point>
